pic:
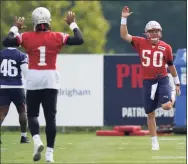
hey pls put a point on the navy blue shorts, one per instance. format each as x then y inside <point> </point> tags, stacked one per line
<point>15,95</point>
<point>156,92</point>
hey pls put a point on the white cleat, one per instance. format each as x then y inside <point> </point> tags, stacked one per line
<point>155,147</point>
<point>49,157</point>
<point>38,148</point>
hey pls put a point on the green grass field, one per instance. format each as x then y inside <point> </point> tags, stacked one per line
<point>89,148</point>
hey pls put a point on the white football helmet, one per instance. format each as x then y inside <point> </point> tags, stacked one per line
<point>153,30</point>
<point>41,15</point>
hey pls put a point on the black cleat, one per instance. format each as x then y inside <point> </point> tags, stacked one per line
<point>24,140</point>
<point>0,142</point>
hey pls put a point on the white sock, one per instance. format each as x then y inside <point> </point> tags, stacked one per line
<point>36,139</point>
<point>154,139</point>
<point>49,150</point>
<point>24,134</point>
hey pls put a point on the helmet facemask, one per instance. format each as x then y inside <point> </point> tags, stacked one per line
<point>153,31</point>
<point>154,35</point>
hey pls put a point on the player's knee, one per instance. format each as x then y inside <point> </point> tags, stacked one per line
<point>50,120</point>
<point>50,116</point>
<point>3,111</point>
<point>32,113</point>
<point>167,106</point>
<point>21,109</point>
<point>151,115</point>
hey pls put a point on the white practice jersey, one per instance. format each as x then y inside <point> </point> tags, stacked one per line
<point>42,79</point>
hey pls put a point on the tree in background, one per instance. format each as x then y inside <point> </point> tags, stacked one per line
<point>98,37</point>
<point>93,25</point>
<point>170,14</point>
<point>88,13</point>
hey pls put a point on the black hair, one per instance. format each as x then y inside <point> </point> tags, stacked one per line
<point>42,27</point>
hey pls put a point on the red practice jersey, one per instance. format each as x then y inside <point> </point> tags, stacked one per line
<point>42,48</point>
<point>153,58</point>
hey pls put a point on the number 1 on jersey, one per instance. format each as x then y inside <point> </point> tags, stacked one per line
<point>42,59</point>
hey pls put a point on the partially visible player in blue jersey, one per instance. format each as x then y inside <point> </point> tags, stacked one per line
<point>12,64</point>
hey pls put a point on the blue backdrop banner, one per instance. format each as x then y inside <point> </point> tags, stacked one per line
<point>123,101</point>
<point>181,102</point>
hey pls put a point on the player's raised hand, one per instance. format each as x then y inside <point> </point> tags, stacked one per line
<point>178,91</point>
<point>19,22</point>
<point>125,12</point>
<point>70,17</point>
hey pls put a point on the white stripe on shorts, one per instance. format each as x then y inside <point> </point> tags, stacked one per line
<point>153,91</point>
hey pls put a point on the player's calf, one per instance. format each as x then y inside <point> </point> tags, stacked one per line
<point>50,131</point>
<point>153,130</point>
<point>3,113</point>
<point>23,123</point>
<point>151,124</point>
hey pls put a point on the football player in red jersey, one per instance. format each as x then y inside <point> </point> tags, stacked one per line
<point>42,81</point>
<point>154,54</point>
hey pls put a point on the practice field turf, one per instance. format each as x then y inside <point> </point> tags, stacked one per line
<point>89,148</point>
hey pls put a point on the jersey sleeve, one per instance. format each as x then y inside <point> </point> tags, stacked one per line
<point>24,58</point>
<point>136,41</point>
<point>24,63</point>
<point>169,55</point>
<point>19,38</point>
<point>23,38</point>
<point>62,38</point>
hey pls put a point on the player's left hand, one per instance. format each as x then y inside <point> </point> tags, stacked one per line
<point>70,18</point>
<point>19,22</point>
<point>178,91</point>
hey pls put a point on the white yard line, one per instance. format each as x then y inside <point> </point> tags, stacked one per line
<point>113,162</point>
<point>169,157</point>
<point>171,139</point>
